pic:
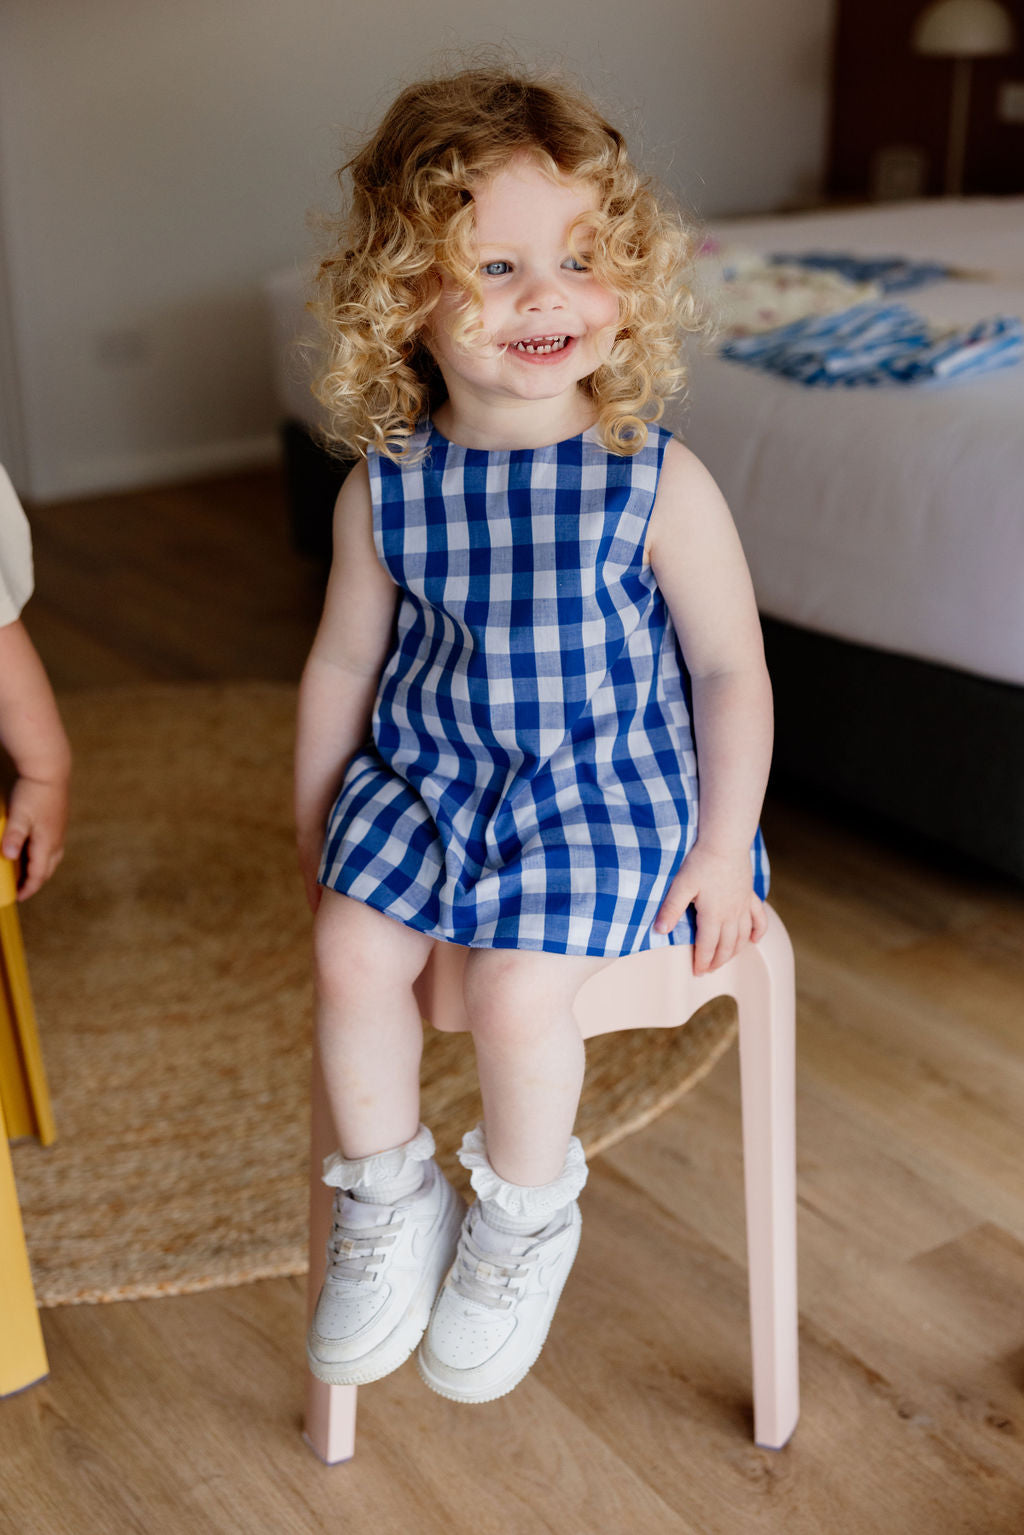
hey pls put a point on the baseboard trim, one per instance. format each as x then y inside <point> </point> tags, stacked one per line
<point>100,476</point>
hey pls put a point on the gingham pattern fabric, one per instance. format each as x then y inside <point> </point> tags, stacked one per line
<point>531,782</point>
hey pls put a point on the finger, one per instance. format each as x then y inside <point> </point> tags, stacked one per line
<point>34,875</point>
<point>744,930</point>
<point>673,908</point>
<point>676,901</point>
<point>759,919</point>
<point>728,942</point>
<point>707,942</point>
<point>14,840</point>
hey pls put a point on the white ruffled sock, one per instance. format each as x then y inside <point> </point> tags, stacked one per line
<point>516,1209</point>
<point>385,1177</point>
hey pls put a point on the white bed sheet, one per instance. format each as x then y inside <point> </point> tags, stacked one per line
<point>892,517</point>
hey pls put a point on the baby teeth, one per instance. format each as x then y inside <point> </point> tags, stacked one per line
<point>541,344</point>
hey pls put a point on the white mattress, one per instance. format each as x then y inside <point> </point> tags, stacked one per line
<point>892,517</point>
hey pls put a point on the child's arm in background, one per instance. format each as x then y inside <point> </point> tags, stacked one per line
<point>699,565</point>
<point>339,683</point>
<point>33,736</point>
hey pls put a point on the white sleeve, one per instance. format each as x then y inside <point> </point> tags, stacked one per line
<point>15,553</point>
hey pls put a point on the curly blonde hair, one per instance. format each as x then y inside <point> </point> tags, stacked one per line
<point>410,220</point>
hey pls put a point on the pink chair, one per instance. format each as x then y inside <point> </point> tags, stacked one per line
<point>659,988</point>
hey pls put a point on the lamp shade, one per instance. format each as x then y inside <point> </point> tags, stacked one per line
<point>964,29</point>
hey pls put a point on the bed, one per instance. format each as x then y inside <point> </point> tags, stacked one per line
<point>884,530</point>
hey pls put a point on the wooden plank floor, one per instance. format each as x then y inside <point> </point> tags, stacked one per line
<point>182,583</point>
<point>184,1413</point>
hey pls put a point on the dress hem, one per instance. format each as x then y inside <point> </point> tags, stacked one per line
<point>675,939</point>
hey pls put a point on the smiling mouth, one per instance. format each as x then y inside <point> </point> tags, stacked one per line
<point>540,346</point>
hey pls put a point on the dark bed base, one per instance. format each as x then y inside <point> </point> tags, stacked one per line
<point>313,478</point>
<point>937,751</point>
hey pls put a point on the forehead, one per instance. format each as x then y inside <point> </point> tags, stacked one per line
<point>524,201</point>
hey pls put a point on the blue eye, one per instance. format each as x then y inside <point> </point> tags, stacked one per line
<point>496,268</point>
<point>575,265</point>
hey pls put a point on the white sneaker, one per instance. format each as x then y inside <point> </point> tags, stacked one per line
<point>384,1266</point>
<point>492,1316</point>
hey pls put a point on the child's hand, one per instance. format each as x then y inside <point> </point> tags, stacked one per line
<point>37,819</point>
<point>729,914</point>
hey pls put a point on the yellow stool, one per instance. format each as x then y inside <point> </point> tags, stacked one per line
<point>24,1110</point>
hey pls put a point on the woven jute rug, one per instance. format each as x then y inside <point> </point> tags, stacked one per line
<point>170,963</point>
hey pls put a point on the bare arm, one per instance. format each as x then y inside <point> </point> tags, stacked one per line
<point>699,565</point>
<point>33,736</point>
<point>339,682</point>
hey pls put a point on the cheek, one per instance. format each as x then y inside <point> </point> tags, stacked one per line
<point>446,319</point>
<point>438,335</point>
<point>439,324</point>
<point>432,337</point>
<point>492,310</point>
<point>604,309</point>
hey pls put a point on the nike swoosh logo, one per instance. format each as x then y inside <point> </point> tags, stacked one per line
<point>548,1268</point>
<point>422,1239</point>
<point>418,1246</point>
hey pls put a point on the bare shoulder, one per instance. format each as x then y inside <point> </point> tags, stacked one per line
<point>354,502</point>
<point>354,547</point>
<point>681,463</point>
<point>697,561</point>
<point>688,497</point>
<point>360,601</point>
<point>356,563</point>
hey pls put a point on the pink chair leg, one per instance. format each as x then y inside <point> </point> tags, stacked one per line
<point>766,1002</point>
<point>330,1410</point>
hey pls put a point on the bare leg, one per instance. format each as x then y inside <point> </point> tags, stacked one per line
<point>369,1026</point>
<point>530,1056</point>
<point>519,1239</point>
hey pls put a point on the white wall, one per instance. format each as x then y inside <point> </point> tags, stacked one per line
<point>158,159</point>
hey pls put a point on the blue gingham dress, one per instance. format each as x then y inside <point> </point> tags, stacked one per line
<point>531,781</point>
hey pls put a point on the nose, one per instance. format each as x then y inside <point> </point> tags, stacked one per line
<point>541,293</point>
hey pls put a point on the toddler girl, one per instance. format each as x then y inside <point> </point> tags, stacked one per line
<point>495,719</point>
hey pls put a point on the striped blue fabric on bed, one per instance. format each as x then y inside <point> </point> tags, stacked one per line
<point>879,344</point>
<point>893,274</point>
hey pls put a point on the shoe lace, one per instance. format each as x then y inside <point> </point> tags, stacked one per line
<point>351,1250</point>
<point>486,1278</point>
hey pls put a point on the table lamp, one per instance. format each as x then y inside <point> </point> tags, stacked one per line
<point>962,30</point>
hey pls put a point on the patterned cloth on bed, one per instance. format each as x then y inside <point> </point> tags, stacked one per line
<point>748,294</point>
<point>893,274</point>
<point>876,344</point>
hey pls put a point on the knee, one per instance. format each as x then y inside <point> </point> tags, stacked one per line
<point>341,970</point>
<point>507,1002</point>
<point>359,953</point>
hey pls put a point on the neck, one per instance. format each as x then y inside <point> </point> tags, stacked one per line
<point>517,424</point>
